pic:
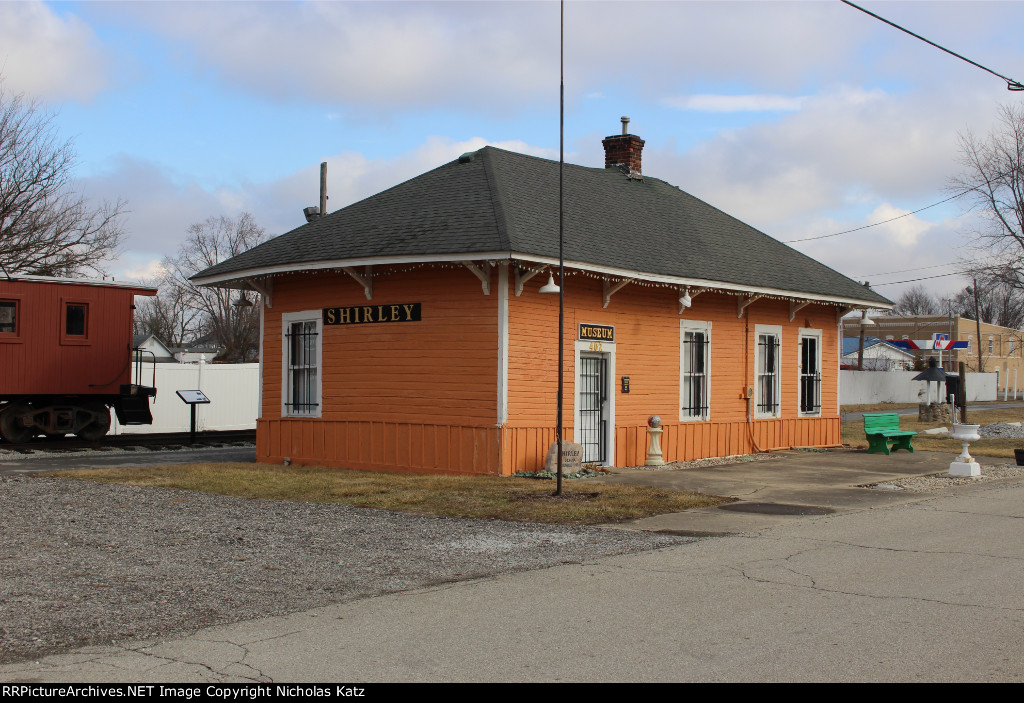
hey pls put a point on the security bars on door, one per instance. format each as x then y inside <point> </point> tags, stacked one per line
<point>810,376</point>
<point>302,341</point>
<point>695,381</point>
<point>768,374</point>
<point>593,422</point>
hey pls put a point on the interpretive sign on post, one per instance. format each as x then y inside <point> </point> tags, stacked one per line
<point>192,399</point>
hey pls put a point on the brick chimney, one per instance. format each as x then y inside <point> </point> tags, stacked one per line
<point>623,148</point>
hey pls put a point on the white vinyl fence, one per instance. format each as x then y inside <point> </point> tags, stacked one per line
<point>857,387</point>
<point>233,390</point>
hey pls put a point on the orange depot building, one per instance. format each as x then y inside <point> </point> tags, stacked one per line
<point>409,332</point>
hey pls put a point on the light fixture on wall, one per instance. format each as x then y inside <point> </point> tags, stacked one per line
<point>550,286</point>
<point>243,301</point>
<point>686,301</point>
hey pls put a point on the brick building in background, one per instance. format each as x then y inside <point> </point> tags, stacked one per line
<point>1002,348</point>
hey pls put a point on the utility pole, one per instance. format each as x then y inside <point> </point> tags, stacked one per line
<point>977,321</point>
<point>860,347</point>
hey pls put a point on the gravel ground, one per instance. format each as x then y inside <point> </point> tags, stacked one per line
<point>702,463</point>
<point>931,482</point>
<point>84,563</point>
<point>1007,430</point>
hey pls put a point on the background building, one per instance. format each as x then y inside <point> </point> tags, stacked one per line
<point>1000,348</point>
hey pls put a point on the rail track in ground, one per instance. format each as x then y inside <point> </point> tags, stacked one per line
<point>167,441</point>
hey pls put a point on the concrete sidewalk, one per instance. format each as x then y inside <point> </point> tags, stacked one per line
<point>827,480</point>
<point>925,591</point>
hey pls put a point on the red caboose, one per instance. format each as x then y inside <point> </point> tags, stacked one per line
<point>66,357</point>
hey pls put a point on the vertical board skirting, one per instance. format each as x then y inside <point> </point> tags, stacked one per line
<point>380,446</point>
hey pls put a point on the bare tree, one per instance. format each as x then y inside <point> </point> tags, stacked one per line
<point>45,228</point>
<point>168,315</point>
<point>236,327</point>
<point>917,301</point>
<point>993,184</point>
<point>999,302</point>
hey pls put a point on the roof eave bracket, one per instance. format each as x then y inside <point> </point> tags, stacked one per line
<point>484,274</point>
<point>795,307</point>
<point>743,302</point>
<point>264,288</point>
<point>611,289</point>
<point>522,277</point>
<point>364,279</point>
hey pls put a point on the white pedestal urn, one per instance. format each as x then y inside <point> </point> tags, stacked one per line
<point>965,465</point>
<point>654,457</point>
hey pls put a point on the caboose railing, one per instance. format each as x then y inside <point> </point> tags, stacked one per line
<point>138,361</point>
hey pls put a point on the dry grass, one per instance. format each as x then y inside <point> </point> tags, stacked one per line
<point>853,432</point>
<point>523,500</point>
<point>889,407</point>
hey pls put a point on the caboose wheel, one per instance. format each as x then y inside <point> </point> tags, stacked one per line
<point>12,428</point>
<point>99,426</point>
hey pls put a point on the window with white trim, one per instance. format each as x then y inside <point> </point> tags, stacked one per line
<point>694,357</point>
<point>301,381</point>
<point>767,391</point>
<point>810,372</point>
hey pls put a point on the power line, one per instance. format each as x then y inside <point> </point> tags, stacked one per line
<point>875,224</point>
<point>922,268</point>
<point>1010,83</point>
<point>925,278</point>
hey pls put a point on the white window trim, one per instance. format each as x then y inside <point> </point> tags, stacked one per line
<point>287,319</point>
<point>807,332</point>
<point>695,326</point>
<point>581,347</point>
<point>776,331</point>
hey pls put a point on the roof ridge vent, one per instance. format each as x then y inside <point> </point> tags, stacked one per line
<point>467,157</point>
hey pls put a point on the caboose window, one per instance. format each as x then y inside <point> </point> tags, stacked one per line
<point>8,317</point>
<point>75,316</point>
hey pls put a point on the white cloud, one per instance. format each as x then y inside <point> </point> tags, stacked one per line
<point>162,205</point>
<point>500,56</point>
<point>736,103</point>
<point>133,269</point>
<point>49,56</point>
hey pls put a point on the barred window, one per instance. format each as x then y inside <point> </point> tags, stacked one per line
<point>694,354</point>
<point>301,382</point>
<point>810,374</point>
<point>768,373</point>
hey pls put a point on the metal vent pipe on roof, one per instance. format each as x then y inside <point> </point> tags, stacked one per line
<point>625,125</point>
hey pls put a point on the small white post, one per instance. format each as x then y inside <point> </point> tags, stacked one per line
<point>654,430</point>
<point>199,387</point>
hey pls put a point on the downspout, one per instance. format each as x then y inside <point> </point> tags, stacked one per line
<point>746,376</point>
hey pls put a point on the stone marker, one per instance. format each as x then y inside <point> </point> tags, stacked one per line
<point>572,457</point>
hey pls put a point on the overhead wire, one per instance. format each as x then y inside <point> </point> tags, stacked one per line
<point>919,268</point>
<point>875,224</point>
<point>1011,84</point>
<point>923,278</point>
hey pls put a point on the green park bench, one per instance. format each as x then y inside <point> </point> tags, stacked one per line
<point>883,429</point>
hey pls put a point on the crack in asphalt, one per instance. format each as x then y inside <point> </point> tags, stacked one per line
<point>780,562</point>
<point>968,512</point>
<point>909,551</point>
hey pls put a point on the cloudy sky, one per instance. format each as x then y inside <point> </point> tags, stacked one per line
<point>802,119</point>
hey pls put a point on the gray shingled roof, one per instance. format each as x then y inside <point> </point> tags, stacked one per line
<point>501,201</point>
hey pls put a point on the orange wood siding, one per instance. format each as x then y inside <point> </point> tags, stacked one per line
<point>412,396</point>
<point>37,363</point>
<point>647,349</point>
